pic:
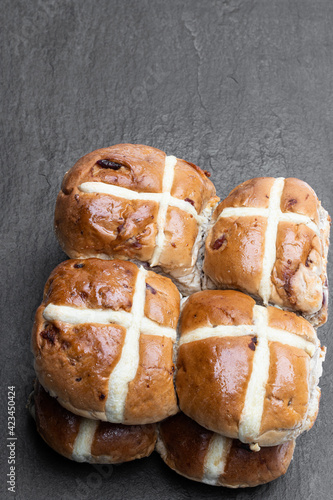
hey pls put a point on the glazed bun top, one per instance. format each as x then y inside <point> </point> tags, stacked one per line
<point>103,340</point>
<point>247,371</point>
<point>270,239</point>
<point>132,201</point>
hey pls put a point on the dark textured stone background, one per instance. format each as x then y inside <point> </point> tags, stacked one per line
<point>242,88</point>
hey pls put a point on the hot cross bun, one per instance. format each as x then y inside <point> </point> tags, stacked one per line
<point>132,201</point>
<point>85,440</point>
<point>202,455</point>
<point>103,340</point>
<point>247,371</point>
<point>270,239</point>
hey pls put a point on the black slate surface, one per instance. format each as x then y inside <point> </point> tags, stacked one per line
<point>242,88</point>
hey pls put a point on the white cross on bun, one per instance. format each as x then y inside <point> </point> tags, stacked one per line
<point>247,371</point>
<point>103,340</point>
<point>202,455</point>
<point>132,201</point>
<point>85,440</point>
<point>270,239</point>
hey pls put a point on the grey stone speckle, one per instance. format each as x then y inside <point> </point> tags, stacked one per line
<point>241,88</point>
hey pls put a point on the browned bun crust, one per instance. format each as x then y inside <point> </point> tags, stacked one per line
<point>184,445</point>
<point>110,226</point>
<point>235,246</point>
<point>222,349</point>
<point>110,443</point>
<point>74,361</point>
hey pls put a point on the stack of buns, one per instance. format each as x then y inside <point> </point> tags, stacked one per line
<point>213,358</point>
